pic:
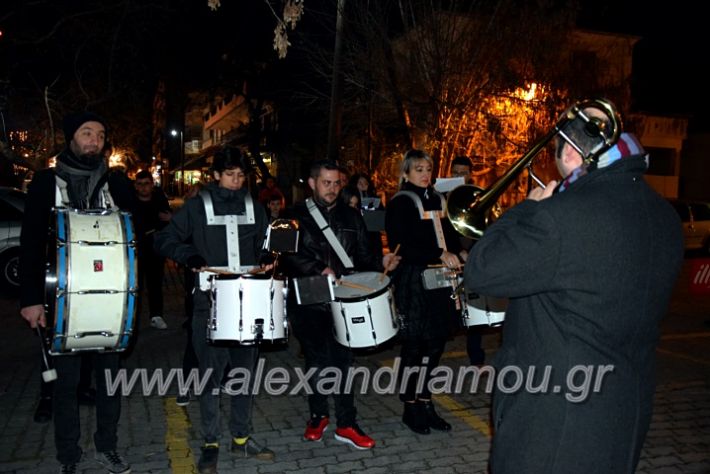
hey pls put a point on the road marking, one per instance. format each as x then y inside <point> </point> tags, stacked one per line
<point>464,414</point>
<point>179,452</point>
<point>689,335</point>
<point>455,408</point>
<point>678,355</point>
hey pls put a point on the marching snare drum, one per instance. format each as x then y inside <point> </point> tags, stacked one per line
<point>247,309</point>
<point>480,310</point>
<point>363,310</point>
<point>91,282</point>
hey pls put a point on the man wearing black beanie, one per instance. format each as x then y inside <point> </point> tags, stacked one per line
<point>81,180</point>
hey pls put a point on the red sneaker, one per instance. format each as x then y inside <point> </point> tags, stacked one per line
<point>315,428</point>
<point>354,436</point>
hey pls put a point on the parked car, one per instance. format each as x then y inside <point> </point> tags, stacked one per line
<point>12,208</point>
<point>695,216</point>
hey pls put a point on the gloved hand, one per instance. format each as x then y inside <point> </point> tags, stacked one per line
<point>196,262</point>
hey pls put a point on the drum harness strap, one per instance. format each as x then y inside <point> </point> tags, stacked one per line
<point>328,232</point>
<point>434,216</point>
<point>62,196</point>
<point>232,223</point>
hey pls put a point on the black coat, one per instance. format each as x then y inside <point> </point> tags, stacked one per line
<point>424,314</point>
<point>590,272</point>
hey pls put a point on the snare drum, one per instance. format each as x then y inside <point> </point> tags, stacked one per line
<point>480,310</point>
<point>91,282</point>
<point>363,310</point>
<point>247,309</point>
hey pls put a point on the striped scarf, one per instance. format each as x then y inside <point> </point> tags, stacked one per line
<point>628,145</point>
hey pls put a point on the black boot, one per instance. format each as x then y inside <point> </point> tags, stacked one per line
<point>434,421</point>
<point>415,418</point>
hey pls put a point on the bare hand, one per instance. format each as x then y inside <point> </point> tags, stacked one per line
<point>34,315</point>
<point>327,271</point>
<point>463,255</point>
<point>165,216</point>
<point>390,261</point>
<point>450,260</point>
<point>538,194</point>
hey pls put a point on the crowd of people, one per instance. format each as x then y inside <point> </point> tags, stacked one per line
<point>555,255</point>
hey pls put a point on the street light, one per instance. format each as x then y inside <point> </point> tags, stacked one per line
<point>175,133</point>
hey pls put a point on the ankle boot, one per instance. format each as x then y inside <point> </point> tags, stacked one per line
<point>415,418</point>
<point>434,421</point>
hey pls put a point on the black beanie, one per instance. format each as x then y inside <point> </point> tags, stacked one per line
<point>72,122</point>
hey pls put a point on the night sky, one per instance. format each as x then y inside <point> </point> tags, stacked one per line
<point>669,61</point>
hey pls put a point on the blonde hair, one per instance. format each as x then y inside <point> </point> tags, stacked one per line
<point>408,161</point>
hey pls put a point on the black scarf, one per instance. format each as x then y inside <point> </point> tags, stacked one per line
<point>82,175</point>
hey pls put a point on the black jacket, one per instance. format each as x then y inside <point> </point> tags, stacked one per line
<point>424,314</point>
<point>314,251</point>
<point>34,239</point>
<point>188,234</point>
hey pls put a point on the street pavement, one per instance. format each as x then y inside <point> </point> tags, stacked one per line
<point>157,436</point>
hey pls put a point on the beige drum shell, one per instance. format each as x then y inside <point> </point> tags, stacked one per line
<point>95,289</point>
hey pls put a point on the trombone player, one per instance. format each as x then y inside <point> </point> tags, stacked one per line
<point>589,265</point>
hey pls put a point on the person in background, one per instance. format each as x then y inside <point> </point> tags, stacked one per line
<point>426,315</point>
<point>81,180</point>
<point>189,358</point>
<point>274,207</point>
<point>589,265</point>
<point>313,323</point>
<point>151,214</point>
<point>351,197</point>
<point>461,167</point>
<point>190,240</point>
<point>270,191</point>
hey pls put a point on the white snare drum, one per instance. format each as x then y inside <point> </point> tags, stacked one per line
<point>247,309</point>
<point>480,310</point>
<point>91,283</point>
<point>363,310</point>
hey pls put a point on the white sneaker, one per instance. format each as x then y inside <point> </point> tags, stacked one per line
<point>158,322</point>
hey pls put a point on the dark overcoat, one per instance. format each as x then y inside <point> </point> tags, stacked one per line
<point>589,273</point>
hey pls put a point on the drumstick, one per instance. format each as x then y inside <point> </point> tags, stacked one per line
<point>218,271</point>
<point>382,277</point>
<point>48,374</point>
<point>257,270</point>
<point>355,285</point>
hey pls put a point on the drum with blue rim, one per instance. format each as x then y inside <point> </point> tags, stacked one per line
<point>91,282</point>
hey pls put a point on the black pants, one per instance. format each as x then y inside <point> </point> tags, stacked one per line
<point>66,408</point>
<point>412,354</point>
<point>189,357</point>
<point>313,327</point>
<point>151,269</point>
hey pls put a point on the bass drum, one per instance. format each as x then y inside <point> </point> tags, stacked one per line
<point>91,283</point>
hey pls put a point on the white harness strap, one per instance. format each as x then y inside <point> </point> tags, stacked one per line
<point>61,196</point>
<point>232,223</point>
<point>328,232</point>
<point>434,216</point>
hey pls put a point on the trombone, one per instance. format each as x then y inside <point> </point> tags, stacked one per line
<point>470,208</point>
